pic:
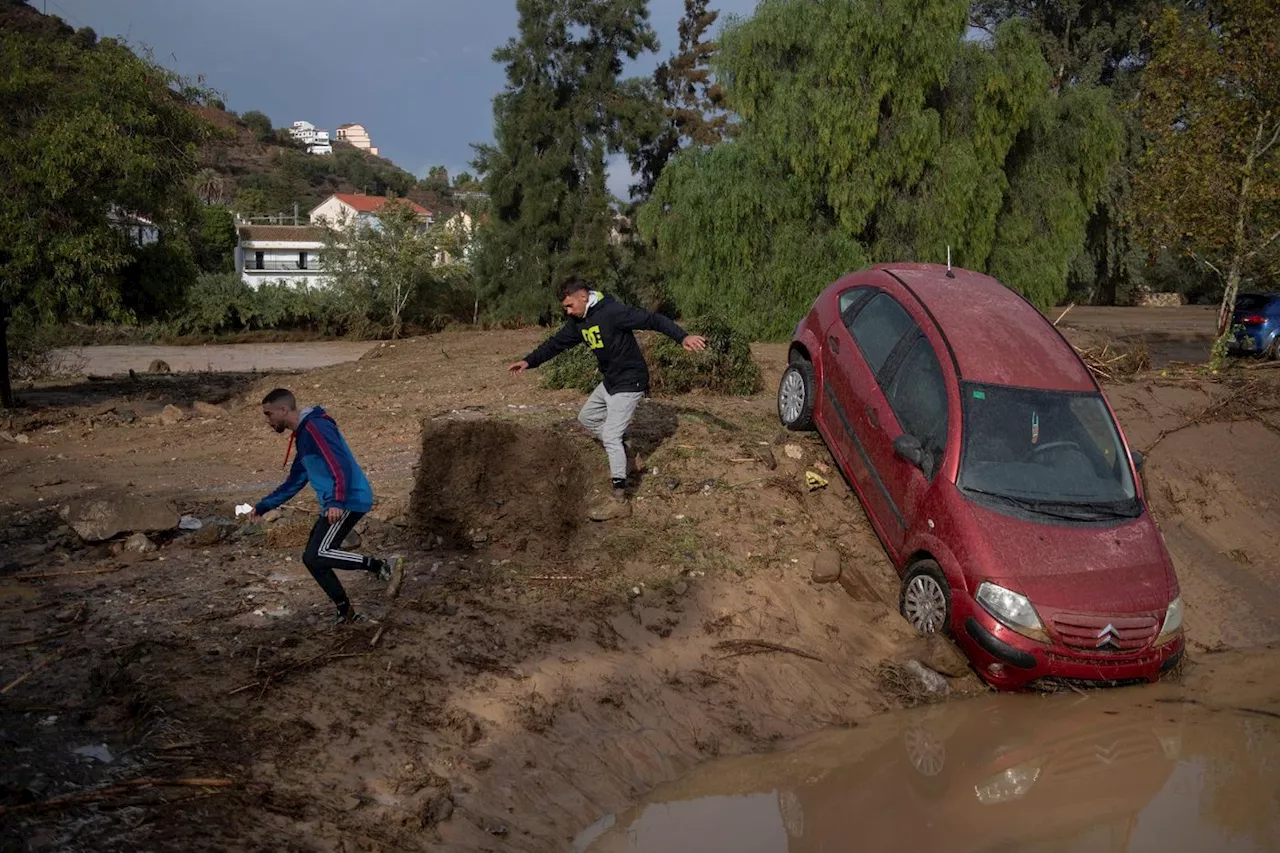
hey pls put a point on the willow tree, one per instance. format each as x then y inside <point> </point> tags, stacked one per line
<point>877,133</point>
<point>1210,183</point>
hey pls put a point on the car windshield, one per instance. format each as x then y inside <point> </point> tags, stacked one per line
<point>1253,302</point>
<point>1048,452</point>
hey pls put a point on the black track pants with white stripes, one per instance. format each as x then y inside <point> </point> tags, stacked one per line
<point>322,556</point>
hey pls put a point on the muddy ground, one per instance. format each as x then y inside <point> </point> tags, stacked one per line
<point>535,673</point>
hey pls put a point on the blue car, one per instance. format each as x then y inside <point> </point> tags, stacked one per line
<point>1257,323</point>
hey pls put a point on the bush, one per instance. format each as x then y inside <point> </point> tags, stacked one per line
<point>725,367</point>
<point>222,302</point>
<point>34,353</point>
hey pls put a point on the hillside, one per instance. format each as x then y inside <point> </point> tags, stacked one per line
<point>252,174</point>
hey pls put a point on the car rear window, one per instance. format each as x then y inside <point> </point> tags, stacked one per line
<point>1253,301</point>
<point>878,327</point>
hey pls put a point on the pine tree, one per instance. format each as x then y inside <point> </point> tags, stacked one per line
<point>563,111</point>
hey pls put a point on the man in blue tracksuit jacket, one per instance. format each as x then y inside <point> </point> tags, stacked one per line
<point>324,460</point>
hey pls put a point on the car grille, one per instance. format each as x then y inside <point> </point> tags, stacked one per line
<point>1105,634</point>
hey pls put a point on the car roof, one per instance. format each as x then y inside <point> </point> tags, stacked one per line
<point>995,335</point>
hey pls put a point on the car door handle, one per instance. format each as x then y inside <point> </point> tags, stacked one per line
<point>833,343</point>
<point>873,416</point>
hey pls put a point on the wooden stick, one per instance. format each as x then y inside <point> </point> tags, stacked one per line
<point>112,790</point>
<point>752,647</point>
<point>1064,313</point>
<point>48,659</point>
<point>31,576</point>
<point>376,637</point>
<point>31,641</point>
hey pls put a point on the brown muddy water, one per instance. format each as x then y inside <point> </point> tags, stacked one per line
<point>1112,771</point>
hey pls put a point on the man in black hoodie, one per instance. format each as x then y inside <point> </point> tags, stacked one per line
<point>607,326</point>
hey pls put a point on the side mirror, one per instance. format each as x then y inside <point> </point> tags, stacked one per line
<point>908,447</point>
<point>1138,459</point>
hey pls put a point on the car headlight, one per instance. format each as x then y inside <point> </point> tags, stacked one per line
<point>1012,609</point>
<point>1008,784</point>
<point>1172,626</point>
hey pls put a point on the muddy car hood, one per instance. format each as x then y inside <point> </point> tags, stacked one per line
<point>1114,569</point>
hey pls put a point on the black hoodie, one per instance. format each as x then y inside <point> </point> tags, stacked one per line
<point>607,329</point>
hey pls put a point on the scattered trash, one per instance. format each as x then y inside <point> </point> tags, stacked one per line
<point>793,451</point>
<point>189,522</point>
<point>932,681</point>
<point>98,753</point>
<point>814,480</point>
<point>243,509</point>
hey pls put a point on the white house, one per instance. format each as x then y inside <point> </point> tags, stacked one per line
<point>355,134</point>
<point>343,208</point>
<point>140,230</point>
<point>317,141</point>
<point>280,253</point>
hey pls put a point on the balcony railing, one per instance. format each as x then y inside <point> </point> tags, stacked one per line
<point>279,266</point>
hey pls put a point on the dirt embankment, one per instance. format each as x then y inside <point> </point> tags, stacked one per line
<point>535,673</point>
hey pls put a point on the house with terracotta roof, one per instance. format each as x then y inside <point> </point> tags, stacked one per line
<point>280,253</point>
<point>342,208</point>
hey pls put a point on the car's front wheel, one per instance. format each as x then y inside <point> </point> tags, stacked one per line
<point>795,396</point>
<point>926,598</point>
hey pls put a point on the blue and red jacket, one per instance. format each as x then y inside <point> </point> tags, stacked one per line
<point>325,460</point>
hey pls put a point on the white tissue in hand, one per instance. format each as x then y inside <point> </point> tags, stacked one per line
<point>243,509</point>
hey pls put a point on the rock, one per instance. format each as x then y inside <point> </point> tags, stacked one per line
<point>439,809</point>
<point>932,681</point>
<point>100,519</point>
<point>826,567</point>
<point>97,752</point>
<point>351,802</point>
<point>351,542</point>
<point>272,515</point>
<point>158,365</point>
<point>680,588</point>
<point>22,438</point>
<point>139,544</point>
<point>7,436</point>
<point>190,522</point>
<point>793,451</point>
<point>942,656</point>
<point>450,609</point>
<point>765,455</point>
<point>171,415</point>
<point>206,536</point>
<point>208,410</point>
<point>494,827</point>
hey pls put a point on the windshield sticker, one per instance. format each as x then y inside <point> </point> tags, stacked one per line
<point>1035,427</point>
<point>979,395</point>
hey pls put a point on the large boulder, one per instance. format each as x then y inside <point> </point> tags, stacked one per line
<point>101,518</point>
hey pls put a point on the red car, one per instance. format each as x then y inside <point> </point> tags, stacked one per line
<point>993,470</point>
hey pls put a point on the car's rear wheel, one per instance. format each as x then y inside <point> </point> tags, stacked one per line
<point>926,598</point>
<point>795,396</point>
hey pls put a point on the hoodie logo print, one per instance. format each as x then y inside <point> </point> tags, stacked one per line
<point>592,337</point>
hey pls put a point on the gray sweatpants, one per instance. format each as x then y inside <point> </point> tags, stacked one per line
<point>607,416</point>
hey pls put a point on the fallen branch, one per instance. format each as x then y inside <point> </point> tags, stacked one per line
<point>756,647</point>
<point>113,790</point>
<point>32,576</point>
<point>48,659</point>
<point>1064,313</point>
<point>264,683</point>
<point>31,641</point>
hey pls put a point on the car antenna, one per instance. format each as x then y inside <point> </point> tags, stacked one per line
<point>950,274</point>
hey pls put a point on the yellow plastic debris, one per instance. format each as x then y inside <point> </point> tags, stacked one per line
<point>814,480</point>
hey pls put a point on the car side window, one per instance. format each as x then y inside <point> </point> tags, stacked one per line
<point>851,300</point>
<point>878,328</point>
<point>917,393</point>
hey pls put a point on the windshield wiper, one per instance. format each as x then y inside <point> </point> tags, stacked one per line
<point>1054,509</point>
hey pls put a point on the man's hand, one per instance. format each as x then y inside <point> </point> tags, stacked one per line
<point>694,343</point>
<point>254,518</point>
<point>518,367</point>
<point>332,514</point>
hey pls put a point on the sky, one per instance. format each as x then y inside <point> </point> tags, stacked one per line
<point>418,74</point>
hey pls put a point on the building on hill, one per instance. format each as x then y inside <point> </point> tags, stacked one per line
<point>317,141</point>
<point>355,134</point>
<point>341,208</point>
<point>266,254</point>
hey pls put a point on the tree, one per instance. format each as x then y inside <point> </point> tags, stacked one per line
<point>693,103</point>
<point>211,187</point>
<point>564,109</point>
<point>1210,181</point>
<point>384,264</point>
<point>92,136</point>
<point>874,135</point>
<point>465,182</point>
<point>259,123</point>
<point>213,241</point>
<point>251,201</point>
<point>437,179</point>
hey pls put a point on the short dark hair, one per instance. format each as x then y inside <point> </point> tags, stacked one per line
<point>280,395</point>
<point>569,286</point>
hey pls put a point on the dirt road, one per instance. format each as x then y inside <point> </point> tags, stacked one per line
<point>535,674</point>
<point>236,358</point>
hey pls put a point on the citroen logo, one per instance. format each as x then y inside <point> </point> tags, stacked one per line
<point>1108,636</point>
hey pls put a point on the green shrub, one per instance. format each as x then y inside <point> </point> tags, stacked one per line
<point>724,367</point>
<point>222,302</point>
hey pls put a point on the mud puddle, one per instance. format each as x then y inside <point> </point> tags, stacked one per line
<point>1111,771</point>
